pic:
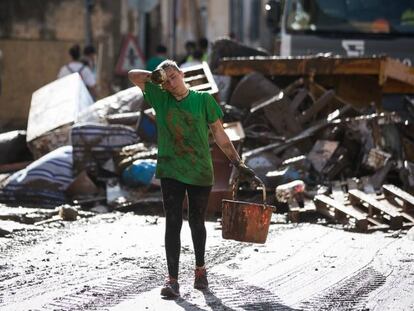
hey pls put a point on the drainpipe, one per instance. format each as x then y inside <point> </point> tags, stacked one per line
<point>142,31</point>
<point>88,21</point>
<point>174,27</point>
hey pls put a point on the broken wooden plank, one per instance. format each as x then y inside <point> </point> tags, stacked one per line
<point>408,147</point>
<point>341,212</point>
<point>201,87</point>
<point>310,131</point>
<point>392,192</point>
<point>10,226</point>
<point>298,99</point>
<point>321,153</point>
<point>196,77</point>
<point>12,167</point>
<point>321,103</point>
<point>286,92</point>
<point>25,215</point>
<point>296,214</point>
<point>392,216</point>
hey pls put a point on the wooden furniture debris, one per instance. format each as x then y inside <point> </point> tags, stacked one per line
<point>321,153</point>
<point>200,78</point>
<point>358,80</point>
<point>310,131</point>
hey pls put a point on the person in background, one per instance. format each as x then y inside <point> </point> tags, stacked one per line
<point>190,47</point>
<point>203,46</point>
<point>89,58</point>
<point>196,59</point>
<point>75,65</point>
<point>184,163</point>
<point>159,57</point>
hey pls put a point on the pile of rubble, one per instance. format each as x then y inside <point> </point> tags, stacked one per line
<point>325,134</point>
<point>99,156</point>
<point>328,126</point>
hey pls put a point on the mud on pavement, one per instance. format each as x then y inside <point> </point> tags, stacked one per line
<point>116,262</point>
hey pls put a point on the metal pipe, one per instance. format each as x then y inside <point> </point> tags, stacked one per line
<point>174,20</point>
<point>88,21</point>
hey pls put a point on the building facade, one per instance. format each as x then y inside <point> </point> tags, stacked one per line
<point>35,37</point>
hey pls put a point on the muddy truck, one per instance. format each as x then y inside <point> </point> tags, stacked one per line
<point>343,27</point>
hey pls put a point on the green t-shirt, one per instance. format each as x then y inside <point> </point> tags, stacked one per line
<point>182,129</point>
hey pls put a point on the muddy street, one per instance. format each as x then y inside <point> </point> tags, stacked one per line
<point>116,262</point>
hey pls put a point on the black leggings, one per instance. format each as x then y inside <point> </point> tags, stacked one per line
<point>173,192</point>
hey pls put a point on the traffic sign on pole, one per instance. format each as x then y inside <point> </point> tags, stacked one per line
<point>130,57</point>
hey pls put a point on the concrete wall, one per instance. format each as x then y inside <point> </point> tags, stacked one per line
<point>218,19</point>
<point>187,26</point>
<point>27,65</point>
<point>35,37</point>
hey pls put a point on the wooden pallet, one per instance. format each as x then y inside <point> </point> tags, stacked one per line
<point>395,194</point>
<point>375,208</point>
<point>394,209</point>
<point>299,214</point>
<point>200,78</point>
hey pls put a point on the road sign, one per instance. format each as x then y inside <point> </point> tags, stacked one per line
<point>130,57</point>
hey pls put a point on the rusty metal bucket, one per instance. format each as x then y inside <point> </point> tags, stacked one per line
<point>246,221</point>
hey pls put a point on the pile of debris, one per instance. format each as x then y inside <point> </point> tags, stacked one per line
<point>325,134</point>
<point>327,126</point>
<point>99,156</point>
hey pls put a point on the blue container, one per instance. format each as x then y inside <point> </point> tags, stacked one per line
<point>139,173</point>
<point>147,128</point>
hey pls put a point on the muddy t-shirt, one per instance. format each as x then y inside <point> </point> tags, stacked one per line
<point>182,128</point>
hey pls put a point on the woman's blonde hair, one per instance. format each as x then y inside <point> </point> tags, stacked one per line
<point>168,63</point>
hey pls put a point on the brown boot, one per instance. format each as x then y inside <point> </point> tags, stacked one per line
<point>171,288</point>
<point>200,280</point>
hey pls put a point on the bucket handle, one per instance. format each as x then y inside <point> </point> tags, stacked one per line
<point>235,187</point>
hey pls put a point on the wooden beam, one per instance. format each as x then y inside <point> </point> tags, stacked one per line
<point>12,167</point>
<point>278,66</point>
<point>396,70</point>
<point>390,75</point>
<point>196,77</point>
<point>201,87</point>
